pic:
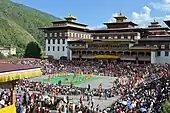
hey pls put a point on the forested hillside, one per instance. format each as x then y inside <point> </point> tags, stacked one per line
<point>19,24</point>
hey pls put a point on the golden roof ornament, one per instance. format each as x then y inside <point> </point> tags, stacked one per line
<point>120,12</point>
<point>71,18</point>
<point>154,20</point>
<point>70,15</point>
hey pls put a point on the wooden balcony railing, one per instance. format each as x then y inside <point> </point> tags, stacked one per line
<point>108,48</point>
<point>76,47</point>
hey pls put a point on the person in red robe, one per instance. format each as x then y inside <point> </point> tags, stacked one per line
<point>100,86</point>
<point>81,101</point>
<point>40,110</point>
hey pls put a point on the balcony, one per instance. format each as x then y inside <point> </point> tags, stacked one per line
<point>144,58</point>
<point>128,57</point>
<point>76,47</point>
<point>108,48</point>
<point>82,56</point>
<point>106,57</point>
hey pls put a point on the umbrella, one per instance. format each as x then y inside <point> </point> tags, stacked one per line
<point>124,102</point>
<point>130,106</point>
<point>129,102</point>
<point>143,110</point>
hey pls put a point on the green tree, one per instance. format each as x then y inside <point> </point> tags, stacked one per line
<point>2,56</point>
<point>32,50</point>
<point>12,56</point>
<point>166,107</point>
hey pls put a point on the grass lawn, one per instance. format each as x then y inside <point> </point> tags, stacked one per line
<point>77,81</point>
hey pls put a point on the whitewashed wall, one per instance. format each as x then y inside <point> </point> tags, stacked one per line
<point>56,54</point>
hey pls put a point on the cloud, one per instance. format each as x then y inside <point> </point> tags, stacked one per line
<point>166,1</point>
<point>164,5</point>
<point>142,18</point>
<point>102,26</point>
<point>97,27</point>
<point>167,17</point>
<point>112,19</point>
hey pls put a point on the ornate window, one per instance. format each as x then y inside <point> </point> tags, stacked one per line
<point>166,53</point>
<point>48,41</point>
<point>158,53</point>
<point>60,34</point>
<point>53,48</point>
<point>48,48</point>
<point>55,34</point>
<point>58,40</point>
<point>162,46</point>
<point>63,41</point>
<point>53,41</point>
<point>119,37</point>
<point>122,37</point>
<point>45,35</point>
<point>155,46</point>
<point>125,37</point>
<point>51,34</point>
<point>66,34</point>
<point>132,37</point>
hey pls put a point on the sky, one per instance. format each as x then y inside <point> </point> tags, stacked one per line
<point>95,12</point>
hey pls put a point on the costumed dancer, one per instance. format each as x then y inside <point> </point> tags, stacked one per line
<point>49,77</point>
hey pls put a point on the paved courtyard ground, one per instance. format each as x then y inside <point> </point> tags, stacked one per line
<point>102,102</point>
<point>107,82</point>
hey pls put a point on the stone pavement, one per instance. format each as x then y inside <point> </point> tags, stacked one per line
<point>102,102</point>
<point>107,82</point>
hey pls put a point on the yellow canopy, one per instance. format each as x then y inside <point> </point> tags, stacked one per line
<point>8,109</point>
<point>144,48</point>
<point>106,57</point>
<point>18,75</point>
<point>44,57</point>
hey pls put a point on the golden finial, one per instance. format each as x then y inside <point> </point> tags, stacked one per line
<point>120,12</point>
<point>70,14</point>
<point>70,17</point>
<point>154,20</point>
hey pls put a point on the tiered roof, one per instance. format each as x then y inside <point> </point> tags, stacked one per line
<point>120,22</point>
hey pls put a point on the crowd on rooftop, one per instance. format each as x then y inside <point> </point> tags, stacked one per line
<point>5,98</point>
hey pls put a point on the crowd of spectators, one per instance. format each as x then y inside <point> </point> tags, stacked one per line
<point>145,88</point>
<point>5,98</point>
<point>97,67</point>
<point>45,95</point>
<point>147,98</point>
